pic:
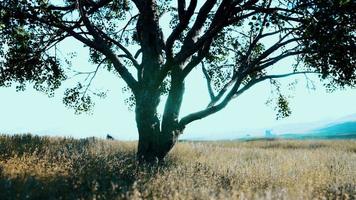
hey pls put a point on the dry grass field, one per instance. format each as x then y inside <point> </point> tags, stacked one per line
<point>33,167</point>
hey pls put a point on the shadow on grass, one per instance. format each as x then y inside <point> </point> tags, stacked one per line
<point>90,174</point>
<point>89,178</point>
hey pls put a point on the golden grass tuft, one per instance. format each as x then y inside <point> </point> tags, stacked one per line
<point>33,167</point>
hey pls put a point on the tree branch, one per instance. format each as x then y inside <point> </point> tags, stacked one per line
<point>209,35</point>
<point>123,48</point>
<point>273,48</point>
<point>93,76</point>
<point>208,81</point>
<point>276,59</point>
<point>181,9</point>
<point>210,110</point>
<point>199,22</point>
<point>183,24</point>
<point>125,74</point>
<point>234,92</point>
<point>127,24</point>
<point>263,78</point>
<point>105,49</point>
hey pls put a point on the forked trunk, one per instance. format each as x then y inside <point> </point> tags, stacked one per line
<point>153,147</point>
<point>153,144</point>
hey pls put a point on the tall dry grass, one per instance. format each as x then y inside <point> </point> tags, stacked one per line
<point>33,167</point>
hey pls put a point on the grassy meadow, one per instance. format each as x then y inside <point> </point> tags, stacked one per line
<point>33,167</point>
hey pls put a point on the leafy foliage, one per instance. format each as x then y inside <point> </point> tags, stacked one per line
<point>330,40</point>
<point>77,99</point>
<point>24,62</point>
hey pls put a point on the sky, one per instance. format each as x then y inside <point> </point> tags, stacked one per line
<point>33,112</point>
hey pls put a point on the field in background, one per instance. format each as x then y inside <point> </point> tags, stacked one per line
<point>34,167</point>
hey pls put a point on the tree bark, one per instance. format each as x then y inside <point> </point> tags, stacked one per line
<point>153,144</point>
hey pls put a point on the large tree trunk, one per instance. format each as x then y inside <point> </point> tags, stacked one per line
<point>153,147</point>
<point>153,144</point>
<point>154,141</point>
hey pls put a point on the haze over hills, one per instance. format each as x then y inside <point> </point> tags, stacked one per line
<point>341,128</point>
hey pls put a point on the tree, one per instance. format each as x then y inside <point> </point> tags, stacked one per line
<point>234,42</point>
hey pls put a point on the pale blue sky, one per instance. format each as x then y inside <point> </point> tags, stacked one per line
<point>31,111</point>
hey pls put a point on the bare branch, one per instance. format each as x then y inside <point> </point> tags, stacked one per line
<point>263,78</point>
<point>273,48</point>
<point>274,60</point>
<point>183,23</point>
<point>87,23</point>
<point>222,91</point>
<point>199,22</point>
<point>232,94</point>
<point>61,8</point>
<point>181,9</point>
<point>208,81</point>
<point>210,110</point>
<point>138,52</point>
<point>93,76</point>
<point>196,59</point>
<point>203,40</point>
<point>127,24</point>
<point>123,48</point>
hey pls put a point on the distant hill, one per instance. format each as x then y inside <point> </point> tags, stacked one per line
<point>342,130</point>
